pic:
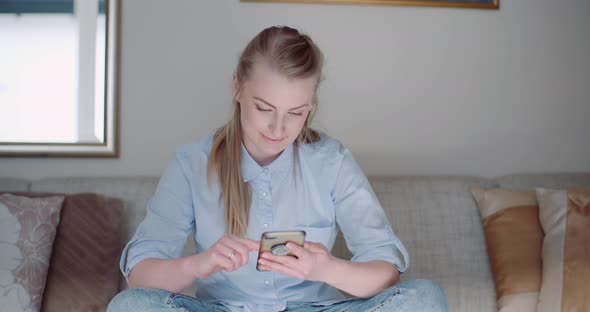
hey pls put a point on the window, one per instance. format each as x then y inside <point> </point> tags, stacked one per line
<point>54,61</point>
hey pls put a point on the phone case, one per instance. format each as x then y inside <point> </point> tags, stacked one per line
<point>275,242</point>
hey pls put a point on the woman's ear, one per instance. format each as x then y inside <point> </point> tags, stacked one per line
<point>235,85</point>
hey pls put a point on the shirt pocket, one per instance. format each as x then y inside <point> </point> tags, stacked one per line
<point>323,235</point>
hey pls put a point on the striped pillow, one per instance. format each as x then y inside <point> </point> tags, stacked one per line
<point>565,217</point>
<point>514,238</point>
<point>84,273</point>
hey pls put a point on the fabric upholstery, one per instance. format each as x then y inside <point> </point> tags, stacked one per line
<point>438,221</point>
<point>540,180</point>
<point>14,185</point>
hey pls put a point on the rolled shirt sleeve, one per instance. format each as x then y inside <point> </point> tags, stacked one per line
<point>169,220</point>
<point>361,218</point>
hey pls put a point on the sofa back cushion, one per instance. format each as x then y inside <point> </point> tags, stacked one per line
<point>14,185</point>
<point>549,180</point>
<point>438,221</point>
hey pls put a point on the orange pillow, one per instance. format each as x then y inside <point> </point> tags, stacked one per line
<point>514,239</point>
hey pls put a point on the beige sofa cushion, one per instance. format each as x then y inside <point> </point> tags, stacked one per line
<point>543,180</point>
<point>436,218</point>
<point>14,185</point>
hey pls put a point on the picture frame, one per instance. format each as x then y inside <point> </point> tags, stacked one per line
<point>471,4</point>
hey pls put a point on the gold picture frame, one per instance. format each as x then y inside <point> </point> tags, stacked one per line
<point>472,4</point>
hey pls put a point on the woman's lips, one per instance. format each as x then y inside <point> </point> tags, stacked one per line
<point>271,141</point>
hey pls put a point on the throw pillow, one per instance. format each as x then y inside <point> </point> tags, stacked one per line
<point>84,273</point>
<point>27,233</point>
<point>514,239</point>
<point>565,217</point>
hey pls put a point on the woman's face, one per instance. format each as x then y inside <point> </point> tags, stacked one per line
<point>273,111</point>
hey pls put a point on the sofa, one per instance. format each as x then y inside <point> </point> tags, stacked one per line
<point>436,217</point>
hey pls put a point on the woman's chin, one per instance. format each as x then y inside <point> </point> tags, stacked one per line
<point>273,150</point>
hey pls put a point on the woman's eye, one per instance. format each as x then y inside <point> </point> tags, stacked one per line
<point>262,109</point>
<point>296,114</point>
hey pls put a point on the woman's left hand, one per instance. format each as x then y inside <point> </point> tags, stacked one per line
<point>312,262</point>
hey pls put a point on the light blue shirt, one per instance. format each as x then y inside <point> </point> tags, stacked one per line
<point>330,189</point>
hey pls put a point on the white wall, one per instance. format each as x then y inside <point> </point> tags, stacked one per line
<point>412,91</point>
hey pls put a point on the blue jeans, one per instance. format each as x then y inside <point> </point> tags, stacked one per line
<point>413,295</point>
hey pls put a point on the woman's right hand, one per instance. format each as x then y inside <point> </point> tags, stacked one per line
<point>229,253</point>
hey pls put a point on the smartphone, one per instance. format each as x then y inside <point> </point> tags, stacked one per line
<point>275,241</point>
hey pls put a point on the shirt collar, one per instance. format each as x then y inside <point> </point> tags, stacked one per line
<point>251,169</point>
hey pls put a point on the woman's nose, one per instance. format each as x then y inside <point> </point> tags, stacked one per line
<point>277,127</point>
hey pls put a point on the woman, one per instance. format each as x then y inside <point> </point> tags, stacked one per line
<point>267,170</point>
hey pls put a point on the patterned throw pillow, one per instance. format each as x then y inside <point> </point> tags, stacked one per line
<point>27,233</point>
<point>565,217</point>
<point>514,238</point>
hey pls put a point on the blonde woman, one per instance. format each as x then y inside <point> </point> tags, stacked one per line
<point>267,170</point>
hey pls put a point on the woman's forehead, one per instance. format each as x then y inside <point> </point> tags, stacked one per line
<point>279,91</point>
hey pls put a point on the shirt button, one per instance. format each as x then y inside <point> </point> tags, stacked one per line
<point>263,194</point>
<point>266,282</point>
<point>266,225</point>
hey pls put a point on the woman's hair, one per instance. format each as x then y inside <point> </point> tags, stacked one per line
<point>290,53</point>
